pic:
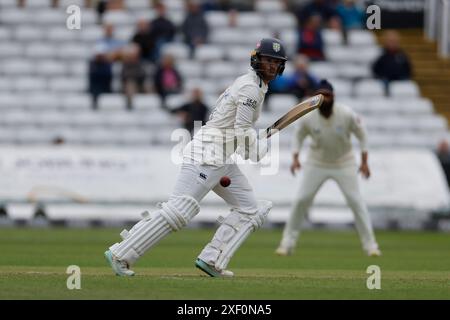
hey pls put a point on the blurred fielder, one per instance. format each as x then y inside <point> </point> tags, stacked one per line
<point>205,160</point>
<point>330,157</point>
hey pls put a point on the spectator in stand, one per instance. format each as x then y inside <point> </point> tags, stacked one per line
<point>144,38</point>
<point>195,28</point>
<point>163,30</point>
<point>232,18</point>
<point>393,64</point>
<point>443,154</point>
<point>323,8</point>
<point>167,79</point>
<point>195,110</point>
<point>311,42</point>
<point>112,45</point>
<point>100,74</point>
<point>300,82</point>
<point>352,16</point>
<point>133,74</point>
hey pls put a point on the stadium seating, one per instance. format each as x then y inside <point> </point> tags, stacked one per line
<point>43,85</point>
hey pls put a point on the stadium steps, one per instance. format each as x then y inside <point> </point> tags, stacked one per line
<point>431,72</point>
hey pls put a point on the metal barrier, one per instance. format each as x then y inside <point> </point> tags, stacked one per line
<point>437,24</point>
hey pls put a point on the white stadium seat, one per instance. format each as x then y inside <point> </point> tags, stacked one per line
<point>26,84</point>
<point>176,49</point>
<point>6,84</point>
<point>219,70</point>
<point>11,49</point>
<point>9,101</point>
<point>17,67</point>
<point>68,84</point>
<point>51,68</point>
<point>90,33</point>
<point>216,19</point>
<point>15,16</point>
<point>57,34</point>
<point>269,6</point>
<point>332,37</point>
<point>112,102</point>
<point>341,87</point>
<point>250,20</point>
<point>5,33</point>
<point>361,38</point>
<point>118,18</point>
<point>137,4</point>
<point>39,50</point>
<point>55,17</point>
<point>237,53</point>
<point>323,69</point>
<point>208,52</point>
<point>281,21</point>
<point>404,89</point>
<point>146,102</point>
<point>76,102</point>
<point>38,4</point>
<point>28,33</point>
<point>39,102</point>
<point>190,68</point>
<point>354,70</point>
<point>74,51</point>
<point>369,87</point>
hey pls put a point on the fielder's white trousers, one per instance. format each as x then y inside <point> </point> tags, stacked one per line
<point>312,180</point>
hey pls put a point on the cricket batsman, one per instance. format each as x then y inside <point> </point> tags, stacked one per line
<point>330,156</point>
<point>206,159</point>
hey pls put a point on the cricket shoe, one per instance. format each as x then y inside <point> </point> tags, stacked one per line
<point>282,251</point>
<point>212,271</point>
<point>120,267</point>
<point>374,252</point>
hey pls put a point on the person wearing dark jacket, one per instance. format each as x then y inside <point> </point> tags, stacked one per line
<point>393,64</point>
<point>195,28</point>
<point>100,74</point>
<point>162,29</point>
<point>195,110</point>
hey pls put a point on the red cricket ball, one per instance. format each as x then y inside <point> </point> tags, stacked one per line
<point>225,181</point>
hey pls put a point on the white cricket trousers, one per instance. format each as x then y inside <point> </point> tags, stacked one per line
<point>197,180</point>
<point>312,180</point>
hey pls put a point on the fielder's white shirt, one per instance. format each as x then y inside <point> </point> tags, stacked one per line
<point>331,144</point>
<point>235,112</point>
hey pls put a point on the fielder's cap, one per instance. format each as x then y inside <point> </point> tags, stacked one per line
<point>324,84</point>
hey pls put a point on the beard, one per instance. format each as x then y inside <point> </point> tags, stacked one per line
<point>326,109</point>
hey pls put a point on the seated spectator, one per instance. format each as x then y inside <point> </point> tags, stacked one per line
<point>167,79</point>
<point>195,110</point>
<point>393,64</point>
<point>163,30</point>
<point>100,74</point>
<point>195,28</point>
<point>352,16</point>
<point>112,45</point>
<point>133,73</point>
<point>311,42</point>
<point>300,82</point>
<point>443,154</point>
<point>323,8</point>
<point>145,40</point>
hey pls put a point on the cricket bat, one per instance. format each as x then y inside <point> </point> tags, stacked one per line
<point>296,112</point>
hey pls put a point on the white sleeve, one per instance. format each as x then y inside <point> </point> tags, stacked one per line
<point>299,136</point>
<point>358,128</point>
<point>247,105</point>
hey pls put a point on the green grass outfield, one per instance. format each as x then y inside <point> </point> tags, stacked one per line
<point>327,265</point>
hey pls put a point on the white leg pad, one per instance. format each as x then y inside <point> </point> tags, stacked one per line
<point>232,233</point>
<point>172,216</point>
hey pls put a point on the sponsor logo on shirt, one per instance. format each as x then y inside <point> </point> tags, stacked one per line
<point>250,103</point>
<point>203,176</point>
